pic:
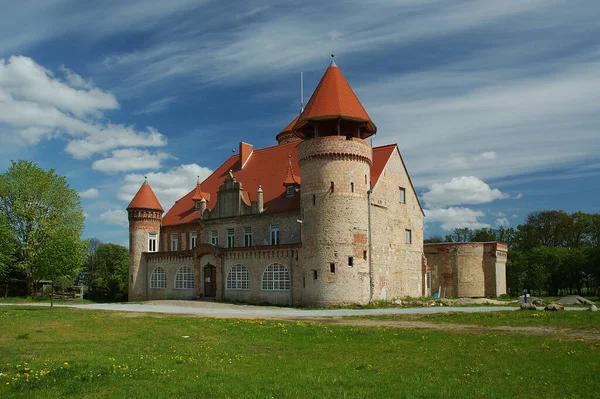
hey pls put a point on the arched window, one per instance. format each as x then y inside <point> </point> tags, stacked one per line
<point>276,277</point>
<point>238,278</point>
<point>184,278</point>
<point>158,278</point>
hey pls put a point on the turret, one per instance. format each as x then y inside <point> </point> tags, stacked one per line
<point>335,162</point>
<point>287,135</point>
<point>200,199</point>
<point>145,214</point>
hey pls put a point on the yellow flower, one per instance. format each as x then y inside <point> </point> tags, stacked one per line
<point>66,364</point>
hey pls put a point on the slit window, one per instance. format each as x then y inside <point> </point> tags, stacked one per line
<point>402,195</point>
<point>332,188</point>
<point>314,199</point>
<point>365,255</point>
<point>315,274</point>
<point>332,267</point>
<point>350,261</point>
<point>351,187</point>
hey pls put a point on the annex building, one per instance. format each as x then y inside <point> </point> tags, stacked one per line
<point>321,218</point>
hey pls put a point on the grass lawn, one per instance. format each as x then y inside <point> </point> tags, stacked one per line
<point>79,353</point>
<point>566,319</point>
<point>36,299</point>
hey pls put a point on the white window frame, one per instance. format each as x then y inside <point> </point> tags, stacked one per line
<point>276,277</point>
<point>247,236</point>
<point>238,278</point>
<point>174,242</point>
<point>230,233</point>
<point>408,236</point>
<point>152,242</point>
<point>402,195</point>
<point>274,234</point>
<point>184,278</point>
<point>158,278</point>
<point>193,239</point>
<point>214,237</point>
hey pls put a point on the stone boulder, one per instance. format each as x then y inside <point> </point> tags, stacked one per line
<point>554,307</point>
<point>593,308</point>
<point>397,302</point>
<point>574,300</point>
<point>527,306</point>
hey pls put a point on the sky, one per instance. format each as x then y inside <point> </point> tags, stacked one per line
<point>495,105</point>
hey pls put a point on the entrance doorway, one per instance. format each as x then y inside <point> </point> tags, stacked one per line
<point>210,281</point>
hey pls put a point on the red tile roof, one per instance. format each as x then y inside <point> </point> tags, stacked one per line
<point>268,167</point>
<point>290,178</point>
<point>334,98</point>
<point>199,194</point>
<point>145,199</point>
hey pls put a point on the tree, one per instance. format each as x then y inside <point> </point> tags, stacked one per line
<point>461,235</point>
<point>483,235</point>
<point>433,239</point>
<point>109,271</point>
<point>7,247</point>
<point>46,219</point>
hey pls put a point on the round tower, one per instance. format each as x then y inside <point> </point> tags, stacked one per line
<point>287,135</point>
<point>335,163</point>
<point>145,214</point>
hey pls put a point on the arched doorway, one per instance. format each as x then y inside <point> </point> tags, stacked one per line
<point>210,281</point>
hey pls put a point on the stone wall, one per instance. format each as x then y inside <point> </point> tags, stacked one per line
<point>141,223</point>
<point>397,265</point>
<point>467,269</point>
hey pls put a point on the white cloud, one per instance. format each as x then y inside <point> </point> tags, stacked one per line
<point>455,217</point>
<point>115,216</point>
<point>89,193</point>
<point>485,156</point>
<point>36,105</point>
<point>168,186</point>
<point>156,106</point>
<point>130,159</point>
<point>502,222</point>
<point>519,196</point>
<point>461,190</point>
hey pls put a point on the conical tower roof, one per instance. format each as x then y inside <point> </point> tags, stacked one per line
<point>334,98</point>
<point>199,195</point>
<point>145,199</point>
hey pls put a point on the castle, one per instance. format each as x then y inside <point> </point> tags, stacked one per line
<point>321,218</point>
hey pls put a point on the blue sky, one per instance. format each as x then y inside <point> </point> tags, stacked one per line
<point>494,104</point>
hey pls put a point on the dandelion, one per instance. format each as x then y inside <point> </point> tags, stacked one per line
<point>66,364</point>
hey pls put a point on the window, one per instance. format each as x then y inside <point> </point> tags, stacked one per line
<point>351,187</point>
<point>184,279</point>
<point>174,242</point>
<point>402,196</point>
<point>193,239</point>
<point>365,179</point>
<point>276,277</point>
<point>238,278</point>
<point>332,267</point>
<point>315,274</point>
<point>314,199</point>
<point>365,255</point>
<point>214,237</point>
<point>230,238</point>
<point>158,278</point>
<point>408,236</point>
<point>197,204</point>
<point>274,234</point>
<point>332,188</point>
<point>350,261</point>
<point>247,236</point>
<point>290,191</point>
<point>152,239</point>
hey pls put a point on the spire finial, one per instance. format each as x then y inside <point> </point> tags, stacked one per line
<point>289,158</point>
<point>198,179</point>
<point>145,179</point>
<point>333,60</point>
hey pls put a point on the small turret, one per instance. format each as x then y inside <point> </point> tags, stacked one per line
<point>259,199</point>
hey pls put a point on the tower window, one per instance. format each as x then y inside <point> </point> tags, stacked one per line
<point>365,179</point>
<point>247,236</point>
<point>408,236</point>
<point>332,267</point>
<point>350,261</point>
<point>332,188</point>
<point>402,195</point>
<point>365,255</point>
<point>230,238</point>
<point>351,187</point>
<point>152,239</point>
<point>174,242</point>
<point>274,234</point>
<point>315,274</point>
<point>314,199</point>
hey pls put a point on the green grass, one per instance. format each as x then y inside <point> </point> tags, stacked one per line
<point>80,353</point>
<point>517,318</point>
<point>37,299</point>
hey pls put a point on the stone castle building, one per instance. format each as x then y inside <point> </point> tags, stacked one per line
<point>321,218</point>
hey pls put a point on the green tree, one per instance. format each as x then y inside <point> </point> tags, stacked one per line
<point>108,273</point>
<point>483,235</point>
<point>461,235</point>
<point>433,239</point>
<point>7,247</point>
<point>42,211</point>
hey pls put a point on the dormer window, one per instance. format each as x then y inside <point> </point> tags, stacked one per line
<point>290,191</point>
<point>197,205</point>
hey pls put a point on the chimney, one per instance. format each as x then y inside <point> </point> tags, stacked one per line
<point>245,152</point>
<point>259,199</point>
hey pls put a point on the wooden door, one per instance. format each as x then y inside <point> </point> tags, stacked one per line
<point>210,281</point>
